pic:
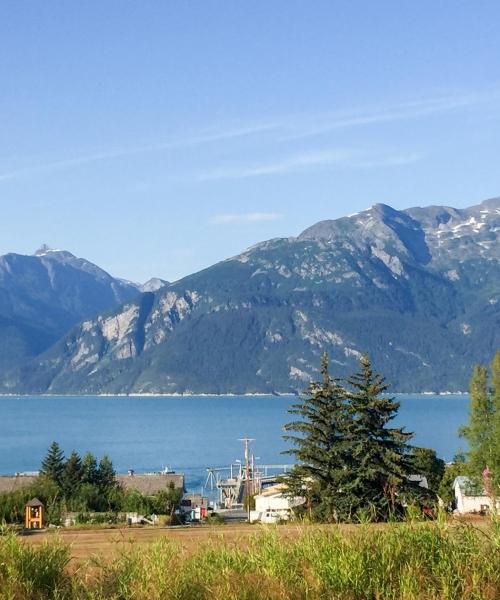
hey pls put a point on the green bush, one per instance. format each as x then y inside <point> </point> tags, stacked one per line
<point>98,518</point>
<point>215,518</point>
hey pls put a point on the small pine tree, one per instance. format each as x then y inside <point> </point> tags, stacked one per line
<point>89,471</point>
<point>106,476</point>
<point>72,475</point>
<point>53,464</point>
<point>108,485</point>
<point>379,465</point>
<point>319,446</point>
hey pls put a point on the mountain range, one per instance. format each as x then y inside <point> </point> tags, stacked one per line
<point>44,295</point>
<point>417,289</point>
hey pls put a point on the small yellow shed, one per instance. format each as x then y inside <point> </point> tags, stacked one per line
<point>34,514</point>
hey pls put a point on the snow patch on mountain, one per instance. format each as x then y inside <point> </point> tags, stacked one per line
<point>298,374</point>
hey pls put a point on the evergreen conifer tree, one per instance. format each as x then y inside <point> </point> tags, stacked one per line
<point>89,471</point>
<point>53,464</point>
<point>72,475</point>
<point>107,484</point>
<point>319,442</point>
<point>106,475</point>
<point>379,455</point>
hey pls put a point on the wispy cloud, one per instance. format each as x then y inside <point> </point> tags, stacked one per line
<point>204,137</point>
<point>253,217</point>
<point>282,165</point>
<point>392,160</point>
<point>307,161</point>
<point>276,129</point>
<point>308,126</point>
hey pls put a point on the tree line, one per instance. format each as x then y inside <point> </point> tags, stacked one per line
<point>85,486</point>
<point>82,484</point>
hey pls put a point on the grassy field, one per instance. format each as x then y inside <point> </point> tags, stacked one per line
<point>408,561</point>
<point>109,543</point>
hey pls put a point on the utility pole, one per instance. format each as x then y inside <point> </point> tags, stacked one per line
<point>246,442</point>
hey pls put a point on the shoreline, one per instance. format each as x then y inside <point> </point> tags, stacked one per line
<point>206,395</point>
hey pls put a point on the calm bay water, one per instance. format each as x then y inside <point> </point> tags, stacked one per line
<point>188,434</point>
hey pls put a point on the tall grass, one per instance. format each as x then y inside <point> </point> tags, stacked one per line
<point>29,572</point>
<point>408,561</point>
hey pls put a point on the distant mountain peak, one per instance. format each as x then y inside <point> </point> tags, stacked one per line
<point>45,249</point>
<point>372,221</point>
<point>153,284</point>
<point>44,295</point>
<point>491,203</point>
<point>383,209</point>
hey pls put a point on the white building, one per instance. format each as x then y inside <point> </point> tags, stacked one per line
<point>272,505</point>
<point>467,500</point>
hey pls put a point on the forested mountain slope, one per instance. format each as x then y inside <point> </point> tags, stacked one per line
<point>417,289</point>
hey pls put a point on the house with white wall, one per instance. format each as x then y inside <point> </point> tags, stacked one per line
<point>470,500</point>
<point>273,505</point>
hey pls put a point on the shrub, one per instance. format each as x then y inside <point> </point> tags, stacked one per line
<point>97,518</point>
<point>215,518</point>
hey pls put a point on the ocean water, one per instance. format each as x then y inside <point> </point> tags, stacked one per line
<point>187,434</point>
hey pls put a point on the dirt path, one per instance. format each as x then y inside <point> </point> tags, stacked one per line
<point>110,542</point>
<point>107,543</point>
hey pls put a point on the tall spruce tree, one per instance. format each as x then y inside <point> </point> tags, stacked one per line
<point>53,464</point>
<point>319,446</point>
<point>350,460</point>
<point>379,455</point>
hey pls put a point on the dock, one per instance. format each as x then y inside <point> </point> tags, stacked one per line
<point>242,479</point>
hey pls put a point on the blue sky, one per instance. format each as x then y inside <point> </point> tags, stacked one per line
<point>156,138</point>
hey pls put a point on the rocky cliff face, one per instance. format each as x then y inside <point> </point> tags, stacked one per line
<point>417,289</point>
<point>44,295</point>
